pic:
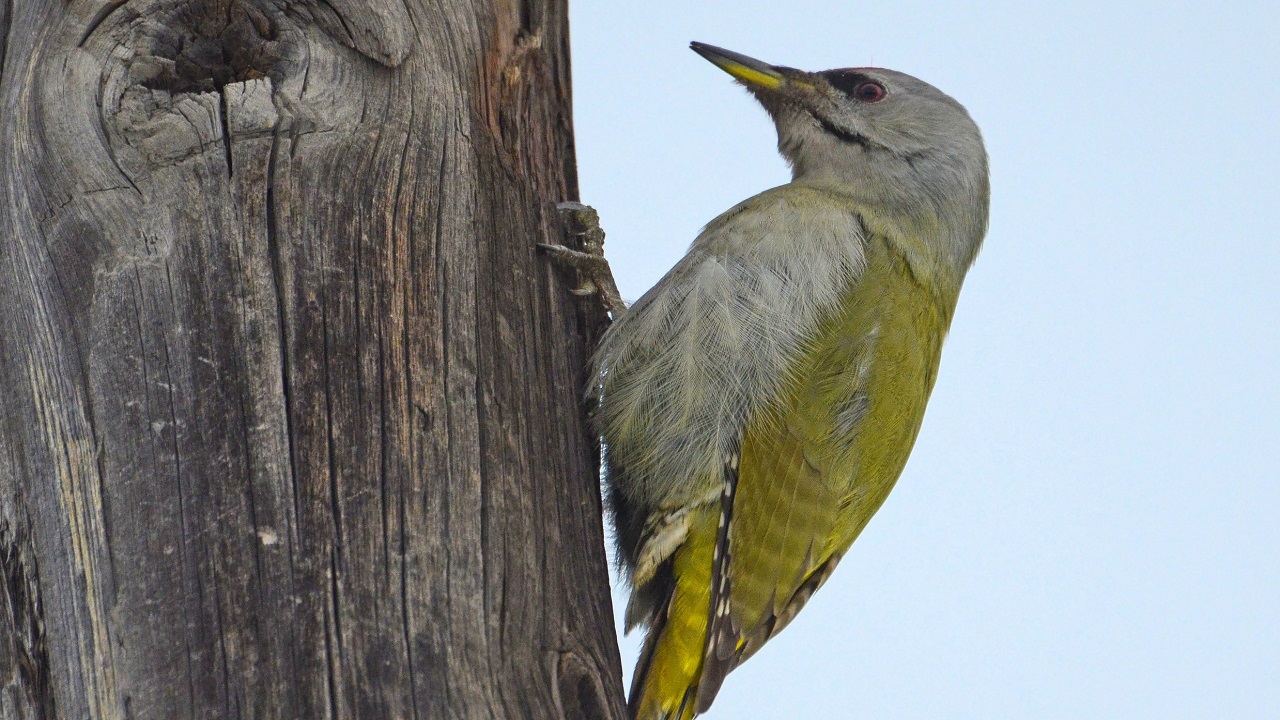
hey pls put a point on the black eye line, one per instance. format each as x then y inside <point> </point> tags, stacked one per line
<point>842,134</point>
<point>846,82</point>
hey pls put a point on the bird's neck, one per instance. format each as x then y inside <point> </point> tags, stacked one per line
<point>936,231</point>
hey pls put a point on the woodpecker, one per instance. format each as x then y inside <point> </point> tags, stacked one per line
<point>759,403</point>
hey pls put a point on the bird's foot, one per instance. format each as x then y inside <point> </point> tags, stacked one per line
<point>594,274</point>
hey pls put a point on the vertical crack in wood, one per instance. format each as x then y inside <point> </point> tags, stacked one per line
<point>334,649</point>
<point>275,256</point>
<point>331,671</point>
<point>6,25</point>
<point>25,673</point>
<point>226,130</point>
<point>406,617</point>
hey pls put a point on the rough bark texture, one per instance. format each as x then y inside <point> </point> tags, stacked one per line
<point>291,408</point>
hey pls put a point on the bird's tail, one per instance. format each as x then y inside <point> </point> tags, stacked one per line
<point>665,686</point>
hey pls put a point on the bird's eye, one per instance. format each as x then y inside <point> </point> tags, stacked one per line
<point>870,92</point>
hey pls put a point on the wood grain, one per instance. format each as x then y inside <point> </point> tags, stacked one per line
<point>292,410</point>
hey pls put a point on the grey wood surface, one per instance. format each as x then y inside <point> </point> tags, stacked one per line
<point>292,410</point>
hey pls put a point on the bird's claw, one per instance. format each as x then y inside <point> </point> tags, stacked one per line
<point>594,274</point>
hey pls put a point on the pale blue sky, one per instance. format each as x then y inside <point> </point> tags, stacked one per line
<point>1090,524</point>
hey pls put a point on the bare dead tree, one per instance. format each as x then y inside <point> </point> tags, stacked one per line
<point>291,408</point>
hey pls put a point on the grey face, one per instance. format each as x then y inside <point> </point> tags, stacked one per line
<point>836,115</point>
<point>887,108</point>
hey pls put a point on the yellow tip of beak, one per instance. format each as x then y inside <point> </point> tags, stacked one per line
<point>748,70</point>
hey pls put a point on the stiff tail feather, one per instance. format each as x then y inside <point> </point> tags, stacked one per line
<point>671,664</point>
<point>684,659</point>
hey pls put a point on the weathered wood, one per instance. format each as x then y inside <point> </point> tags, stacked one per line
<point>291,407</point>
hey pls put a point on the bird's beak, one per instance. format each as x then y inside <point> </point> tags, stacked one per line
<point>751,72</point>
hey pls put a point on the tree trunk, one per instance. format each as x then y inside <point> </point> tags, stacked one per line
<point>291,408</point>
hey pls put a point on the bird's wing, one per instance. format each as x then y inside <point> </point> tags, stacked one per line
<point>810,471</point>
<point>778,549</point>
<point>750,561</point>
<point>814,468</point>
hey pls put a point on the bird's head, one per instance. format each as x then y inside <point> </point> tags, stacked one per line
<point>880,135</point>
